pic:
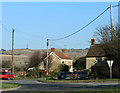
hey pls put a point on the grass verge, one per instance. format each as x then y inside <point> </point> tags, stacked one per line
<point>84,81</point>
<point>9,85</point>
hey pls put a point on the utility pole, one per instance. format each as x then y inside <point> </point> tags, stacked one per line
<point>112,34</point>
<point>13,51</point>
<point>47,59</point>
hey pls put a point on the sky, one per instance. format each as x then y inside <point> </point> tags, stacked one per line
<point>35,22</point>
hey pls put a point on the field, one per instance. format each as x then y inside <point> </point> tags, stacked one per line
<point>22,55</point>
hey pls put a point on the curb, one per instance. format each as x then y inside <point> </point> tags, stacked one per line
<point>9,89</point>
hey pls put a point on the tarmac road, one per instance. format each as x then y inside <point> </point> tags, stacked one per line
<point>34,85</point>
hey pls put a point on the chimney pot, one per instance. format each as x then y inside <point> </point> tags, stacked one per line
<point>93,41</point>
<point>63,50</point>
<point>52,49</point>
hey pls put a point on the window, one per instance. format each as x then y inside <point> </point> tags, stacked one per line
<point>69,63</point>
<point>98,60</point>
<point>3,73</point>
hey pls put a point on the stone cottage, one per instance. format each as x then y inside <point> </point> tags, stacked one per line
<point>57,58</point>
<point>95,54</point>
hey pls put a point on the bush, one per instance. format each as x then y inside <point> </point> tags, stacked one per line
<point>17,68</point>
<point>33,73</point>
<point>80,63</point>
<point>6,64</point>
<point>100,70</point>
<point>64,67</point>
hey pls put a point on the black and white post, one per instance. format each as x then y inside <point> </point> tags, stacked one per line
<point>110,63</point>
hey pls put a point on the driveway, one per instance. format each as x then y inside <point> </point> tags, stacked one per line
<point>34,85</point>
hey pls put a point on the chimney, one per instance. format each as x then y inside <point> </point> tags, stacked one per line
<point>63,50</point>
<point>52,49</point>
<point>93,41</point>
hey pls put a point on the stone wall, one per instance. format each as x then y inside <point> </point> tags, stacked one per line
<point>90,61</point>
<point>55,63</point>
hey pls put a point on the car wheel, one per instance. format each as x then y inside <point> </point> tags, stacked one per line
<point>8,78</point>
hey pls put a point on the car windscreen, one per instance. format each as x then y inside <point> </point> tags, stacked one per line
<point>3,73</point>
<point>80,72</point>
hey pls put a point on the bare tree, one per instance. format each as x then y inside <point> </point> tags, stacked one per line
<point>111,47</point>
<point>103,34</point>
<point>36,58</point>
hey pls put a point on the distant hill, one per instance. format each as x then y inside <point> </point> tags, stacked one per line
<point>27,52</point>
<point>22,55</point>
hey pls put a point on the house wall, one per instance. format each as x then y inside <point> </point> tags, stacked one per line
<point>69,63</point>
<point>55,63</point>
<point>90,61</point>
<point>41,66</point>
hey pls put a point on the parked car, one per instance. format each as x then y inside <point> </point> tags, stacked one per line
<point>65,75</point>
<point>80,75</point>
<point>6,75</point>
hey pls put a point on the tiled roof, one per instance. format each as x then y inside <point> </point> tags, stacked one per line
<point>96,51</point>
<point>62,55</point>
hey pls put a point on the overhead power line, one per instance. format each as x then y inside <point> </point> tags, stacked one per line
<point>23,32</point>
<point>115,5</point>
<point>69,34</point>
<point>85,25</point>
<point>5,28</point>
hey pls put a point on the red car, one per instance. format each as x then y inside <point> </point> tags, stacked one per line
<point>6,75</point>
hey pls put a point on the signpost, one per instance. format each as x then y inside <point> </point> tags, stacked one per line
<point>110,63</point>
<point>47,73</point>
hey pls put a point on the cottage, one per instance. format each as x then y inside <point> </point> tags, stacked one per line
<point>95,54</point>
<point>57,58</point>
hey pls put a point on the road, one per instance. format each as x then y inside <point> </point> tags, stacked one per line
<point>34,85</point>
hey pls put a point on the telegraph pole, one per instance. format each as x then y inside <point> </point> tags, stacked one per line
<point>112,34</point>
<point>13,51</point>
<point>47,59</point>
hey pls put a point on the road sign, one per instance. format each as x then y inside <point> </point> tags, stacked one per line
<point>47,73</point>
<point>110,63</point>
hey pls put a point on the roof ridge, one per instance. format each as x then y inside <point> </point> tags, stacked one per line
<point>62,55</point>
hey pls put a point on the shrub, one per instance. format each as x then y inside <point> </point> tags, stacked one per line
<point>64,67</point>
<point>6,64</point>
